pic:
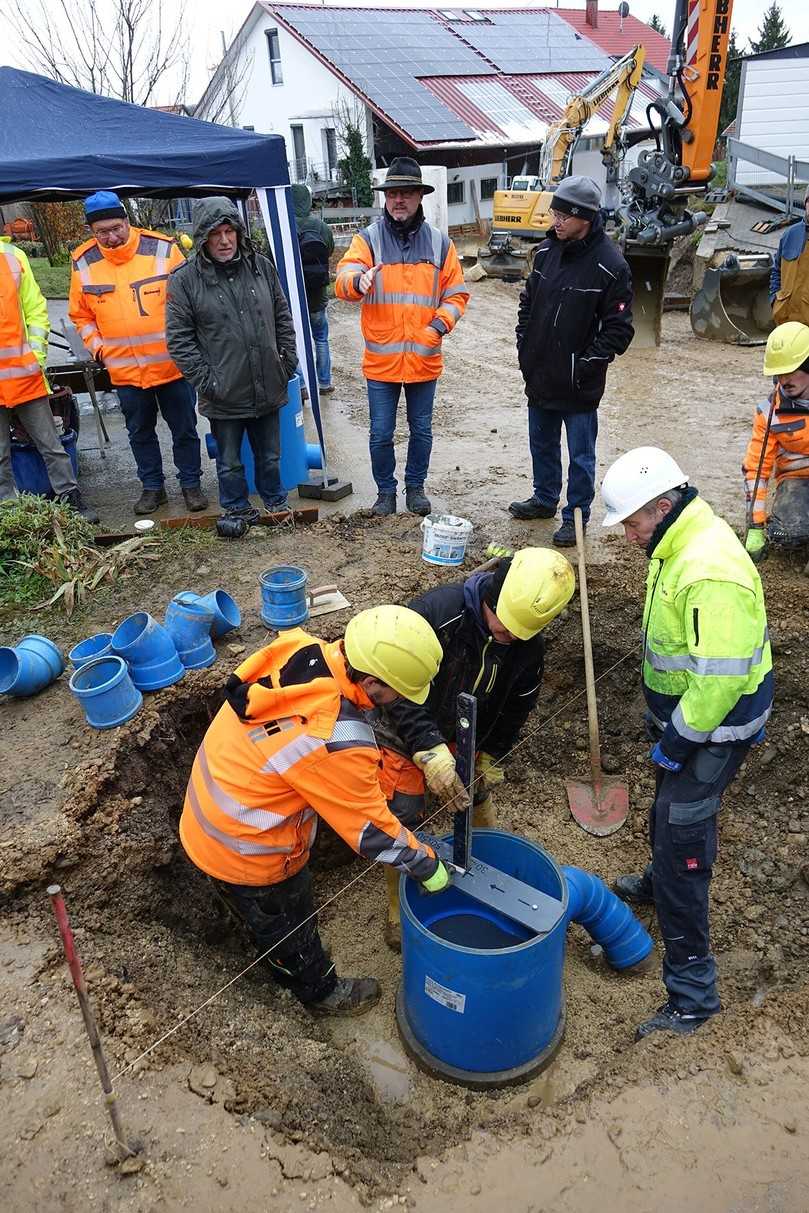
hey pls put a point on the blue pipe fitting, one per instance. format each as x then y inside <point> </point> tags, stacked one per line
<point>149,651</point>
<point>283,596</point>
<point>91,648</point>
<point>188,622</point>
<point>29,667</point>
<point>106,692</point>
<point>45,649</point>
<point>607,919</point>
<point>314,455</point>
<point>226,613</point>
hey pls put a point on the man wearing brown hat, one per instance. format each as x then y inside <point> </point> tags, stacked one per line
<point>575,315</point>
<point>407,276</point>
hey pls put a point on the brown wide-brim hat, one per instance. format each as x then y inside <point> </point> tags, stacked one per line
<point>404,173</point>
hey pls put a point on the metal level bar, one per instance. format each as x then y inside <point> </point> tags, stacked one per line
<point>466,719</point>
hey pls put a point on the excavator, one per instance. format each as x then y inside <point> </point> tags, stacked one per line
<point>647,205</point>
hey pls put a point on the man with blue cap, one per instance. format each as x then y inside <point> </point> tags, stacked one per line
<point>118,304</point>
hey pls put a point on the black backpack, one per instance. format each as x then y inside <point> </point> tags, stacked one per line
<point>315,258</point>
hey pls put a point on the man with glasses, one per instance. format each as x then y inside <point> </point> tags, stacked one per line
<point>574,317</point>
<point>409,280</point>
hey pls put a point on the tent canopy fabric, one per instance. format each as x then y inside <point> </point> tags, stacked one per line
<point>59,142</point>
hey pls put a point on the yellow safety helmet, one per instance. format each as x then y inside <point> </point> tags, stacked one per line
<point>787,348</point>
<point>397,646</point>
<point>539,584</point>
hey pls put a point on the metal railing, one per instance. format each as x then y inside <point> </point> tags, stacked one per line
<point>789,167</point>
<point>316,176</point>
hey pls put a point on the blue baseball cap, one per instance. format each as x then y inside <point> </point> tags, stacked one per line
<point>103,205</point>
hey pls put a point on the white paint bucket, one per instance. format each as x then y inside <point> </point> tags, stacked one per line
<point>445,539</point>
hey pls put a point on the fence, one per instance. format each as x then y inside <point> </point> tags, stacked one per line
<point>789,167</point>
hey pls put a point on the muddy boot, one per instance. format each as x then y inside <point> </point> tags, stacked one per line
<point>393,926</point>
<point>483,814</point>
<point>416,500</point>
<point>150,500</point>
<point>669,1018</point>
<point>384,504</point>
<point>565,537</point>
<point>529,510</point>
<point>73,498</point>
<point>351,996</point>
<point>195,499</point>
<point>635,889</point>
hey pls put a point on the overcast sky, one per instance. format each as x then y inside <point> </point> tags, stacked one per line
<point>210,17</point>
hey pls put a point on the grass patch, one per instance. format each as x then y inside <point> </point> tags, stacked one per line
<point>54,280</point>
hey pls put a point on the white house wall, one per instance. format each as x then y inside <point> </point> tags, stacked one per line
<point>774,114</point>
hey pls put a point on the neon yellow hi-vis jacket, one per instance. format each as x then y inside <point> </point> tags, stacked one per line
<point>707,665</point>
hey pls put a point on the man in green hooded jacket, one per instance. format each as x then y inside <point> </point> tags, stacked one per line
<point>317,245</point>
<point>230,331</point>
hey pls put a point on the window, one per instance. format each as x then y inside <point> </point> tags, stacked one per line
<point>330,150</point>
<point>487,187</point>
<point>455,192</point>
<point>274,48</point>
<point>299,154</point>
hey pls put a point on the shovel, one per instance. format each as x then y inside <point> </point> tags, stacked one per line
<point>600,805</point>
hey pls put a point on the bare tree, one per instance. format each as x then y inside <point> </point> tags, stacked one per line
<point>119,48</point>
<point>223,98</point>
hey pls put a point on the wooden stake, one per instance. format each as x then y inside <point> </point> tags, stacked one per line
<point>74,964</point>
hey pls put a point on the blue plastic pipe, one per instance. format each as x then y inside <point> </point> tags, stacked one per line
<point>607,919</point>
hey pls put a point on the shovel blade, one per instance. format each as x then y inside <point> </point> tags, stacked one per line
<point>600,808</point>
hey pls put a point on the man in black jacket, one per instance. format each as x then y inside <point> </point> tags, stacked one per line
<point>489,627</point>
<point>575,315</point>
<point>230,331</point>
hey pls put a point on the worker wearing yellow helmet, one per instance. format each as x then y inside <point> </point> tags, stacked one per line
<point>779,446</point>
<point>489,627</point>
<point>290,744</point>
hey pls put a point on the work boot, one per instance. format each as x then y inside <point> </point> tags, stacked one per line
<point>531,509</point>
<point>195,499</point>
<point>565,537</point>
<point>351,996</point>
<point>669,1019</point>
<point>416,500</point>
<point>74,500</point>
<point>248,512</point>
<point>280,506</point>
<point>384,504</point>
<point>150,500</point>
<point>325,389</point>
<point>635,889</point>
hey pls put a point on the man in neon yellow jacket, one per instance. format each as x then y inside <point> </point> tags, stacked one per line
<point>708,684</point>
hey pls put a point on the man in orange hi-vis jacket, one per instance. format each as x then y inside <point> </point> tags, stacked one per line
<point>409,280</point>
<point>289,745</point>
<point>779,445</point>
<point>118,304</point>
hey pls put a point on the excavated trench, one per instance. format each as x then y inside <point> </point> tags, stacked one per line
<point>156,945</point>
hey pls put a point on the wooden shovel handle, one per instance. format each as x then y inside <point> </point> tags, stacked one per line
<point>592,706</point>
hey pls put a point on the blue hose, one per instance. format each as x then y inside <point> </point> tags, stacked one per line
<point>608,920</point>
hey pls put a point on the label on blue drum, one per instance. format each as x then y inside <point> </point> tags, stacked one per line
<point>450,999</point>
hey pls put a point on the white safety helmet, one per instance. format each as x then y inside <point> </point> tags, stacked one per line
<point>635,479</point>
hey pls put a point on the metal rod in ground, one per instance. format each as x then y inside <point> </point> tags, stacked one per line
<point>74,964</point>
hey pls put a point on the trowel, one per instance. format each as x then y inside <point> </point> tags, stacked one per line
<point>599,805</point>
<point>511,897</point>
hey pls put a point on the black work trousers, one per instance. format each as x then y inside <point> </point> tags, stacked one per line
<point>682,832</point>
<point>281,916</point>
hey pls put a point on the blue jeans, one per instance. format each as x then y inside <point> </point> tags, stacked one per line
<point>383,399</point>
<point>545,440</point>
<point>177,402</point>
<point>320,332</point>
<point>264,436</point>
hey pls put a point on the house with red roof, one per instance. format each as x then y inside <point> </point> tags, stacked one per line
<point>471,90</point>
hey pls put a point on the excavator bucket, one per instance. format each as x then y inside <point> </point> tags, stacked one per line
<point>733,305</point>
<point>501,258</point>
<point>650,266</point>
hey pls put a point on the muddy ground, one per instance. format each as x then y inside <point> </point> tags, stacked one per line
<point>251,1096</point>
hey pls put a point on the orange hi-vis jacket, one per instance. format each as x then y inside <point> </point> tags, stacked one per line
<point>786,453</point>
<point>416,298</point>
<point>118,304</point>
<point>23,330</point>
<point>290,744</point>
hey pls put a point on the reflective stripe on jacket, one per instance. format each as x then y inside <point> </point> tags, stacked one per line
<point>707,665</point>
<point>290,744</point>
<point>417,297</point>
<point>24,330</point>
<point>786,453</point>
<point>118,304</point>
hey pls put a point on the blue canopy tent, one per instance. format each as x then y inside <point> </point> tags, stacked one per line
<point>58,142</point>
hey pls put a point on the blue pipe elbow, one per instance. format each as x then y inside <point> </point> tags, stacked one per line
<point>314,456</point>
<point>608,920</point>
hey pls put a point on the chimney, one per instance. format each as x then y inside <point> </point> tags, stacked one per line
<point>591,13</point>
